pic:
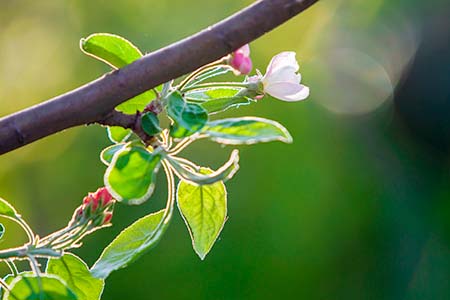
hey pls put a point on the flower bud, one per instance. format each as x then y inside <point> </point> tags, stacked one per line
<point>107,218</point>
<point>240,60</point>
<point>102,195</point>
<point>96,208</point>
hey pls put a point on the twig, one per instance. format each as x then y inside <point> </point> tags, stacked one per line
<point>93,101</point>
<point>133,122</point>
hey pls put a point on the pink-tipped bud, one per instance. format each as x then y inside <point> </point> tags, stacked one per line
<point>107,218</point>
<point>87,200</point>
<point>240,60</point>
<point>96,206</point>
<point>103,196</point>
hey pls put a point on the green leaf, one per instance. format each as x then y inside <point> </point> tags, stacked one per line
<point>131,175</point>
<point>219,105</point>
<point>112,49</point>
<point>76,274</point>
<point>6,209</point>
<point>204,209</point>
<point>246,130</point>
<point>9,278</point>
<point>107,154</point>
<point>150,123</point>
<point>2,230</point>
<point>224,173</point>
<point>117,52</point>
<point>188,118</point>
<point>207,94</point>
<point>46,287</point>
<point>137,103</point>
<point>215,100</point>
<point>130,244</point>
<point>118,134</point>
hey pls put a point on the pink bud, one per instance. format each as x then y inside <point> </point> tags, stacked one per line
<point>79,212</point>
<point>87,200</point>
<point>95,201</point>
<point>103,195</point>
<point>107,218</point>
<point>240,60</point>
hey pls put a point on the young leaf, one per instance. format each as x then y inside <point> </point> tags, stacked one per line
<point>221,104</point>
<point>188,118</point>
<point>45,287</point>
<point>131,175</point>
<point>204,210</point>
<point>112,49</point>
<point>130,244</point>
<point>107,154</point>
<point>150,123</point>
<point>215,100</point>
<point>76,274</point>
<point>137,103</point>
<point>118,134</point>
<point>206,94</point>
<point>246,130</point>
<point>117,52</point>
<point>224,173</point>
<point>6,209</point>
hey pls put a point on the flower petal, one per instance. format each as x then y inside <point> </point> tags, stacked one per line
<point>281,61</point>
<point>244,50</point>
<point>285,74</point>
<point>287,91</point>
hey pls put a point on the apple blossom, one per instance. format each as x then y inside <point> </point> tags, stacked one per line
<point>281,80</point>
<point>240,60</point>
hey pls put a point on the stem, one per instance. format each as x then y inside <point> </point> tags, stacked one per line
<point>56,235</point>
<point>170,194</point>
<point>14,252</point>
<point>72,239</point>
<point>4,285</point>
<point>186,163</point>
<point>34,265</point>
<point>167,140</point>
<point>214,84</point>
<point>181,146</point>
<point>199,71</point>
<point>24,251</point>
<point>12,266</point>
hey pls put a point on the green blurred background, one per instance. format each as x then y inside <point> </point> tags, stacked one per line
<point>356,208</point>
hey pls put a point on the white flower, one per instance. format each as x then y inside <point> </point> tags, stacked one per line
<point>282,80</point>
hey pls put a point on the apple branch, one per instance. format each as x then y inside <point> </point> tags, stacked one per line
<point>95,101</point>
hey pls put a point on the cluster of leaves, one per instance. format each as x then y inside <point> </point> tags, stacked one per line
<point>188,108</point>
<point>132,163</point>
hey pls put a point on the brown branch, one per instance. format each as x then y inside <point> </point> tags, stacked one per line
<point>93,101</point>
<point>133,122</point>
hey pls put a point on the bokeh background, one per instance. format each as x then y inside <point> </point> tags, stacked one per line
<point>356,208</point>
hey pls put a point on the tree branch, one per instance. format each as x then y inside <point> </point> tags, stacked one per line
<point>133,122</point>
<point>95,100</point>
